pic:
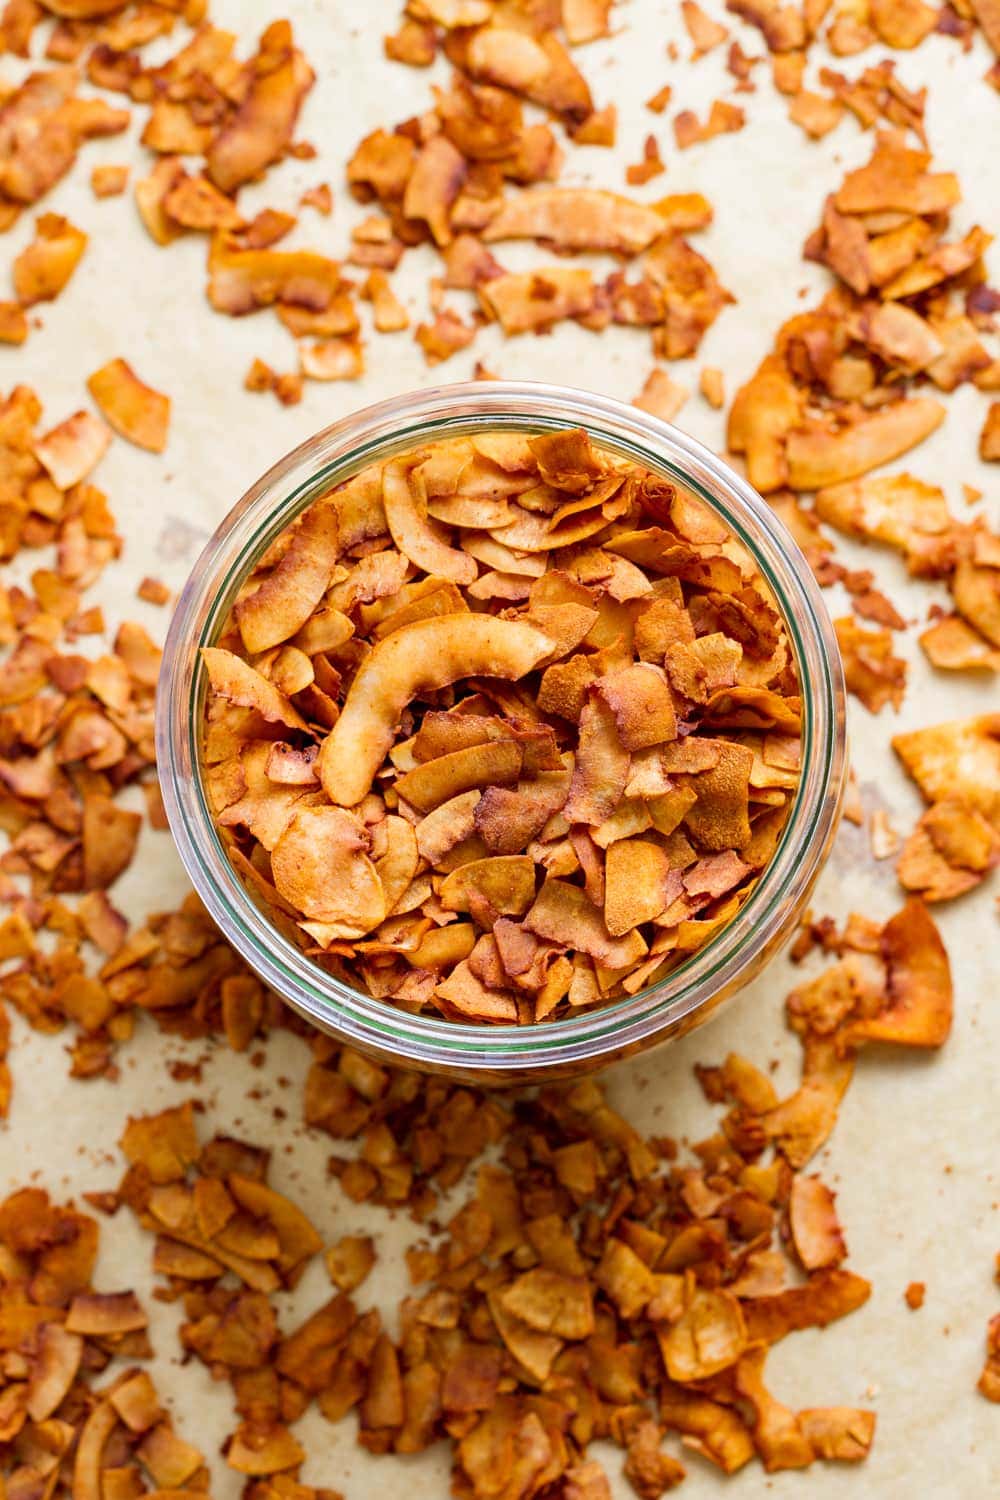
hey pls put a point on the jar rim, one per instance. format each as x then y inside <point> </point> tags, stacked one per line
<point>312,469</point>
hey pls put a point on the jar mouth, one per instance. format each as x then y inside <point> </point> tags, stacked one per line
<point>619,1025</point>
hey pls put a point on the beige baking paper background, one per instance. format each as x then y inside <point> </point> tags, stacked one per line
<point>915,1155</point>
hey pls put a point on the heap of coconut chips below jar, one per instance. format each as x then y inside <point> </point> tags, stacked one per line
<point>502,727</point>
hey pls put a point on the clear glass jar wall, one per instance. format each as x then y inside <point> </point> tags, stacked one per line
<point>492,1054</point>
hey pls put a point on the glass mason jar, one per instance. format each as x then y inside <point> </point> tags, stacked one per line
<point>503,1054</point>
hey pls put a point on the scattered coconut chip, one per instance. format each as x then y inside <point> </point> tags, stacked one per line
<point>661,396</point>
<point>42,270</point>
<point>871,671</point>
<point>108,181</point>
<point>723,118</point>
<point>134,410</point>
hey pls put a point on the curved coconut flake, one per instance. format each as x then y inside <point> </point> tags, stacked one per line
<point>262,126</point>
<point>816,1232</point>
<point>90,1449</point>
<point>53,1369</point>
<point>577,219</point>
<point>421,657</point>
<point>285,601</point>
<point>920,995</point>
<point>398,865</point>
<point>818,457</point>
<point>405,503</point>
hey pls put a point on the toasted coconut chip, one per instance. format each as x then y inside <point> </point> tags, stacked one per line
<point>261,128</point>
<point>134,410</point>
<point>815,113</point>
<point>102,1314</point>
<point>551,1303</point>
<point>534,1351</point>
<point>919,1005</point>
<point>819,457</point>
<point>237,682</point>
<point>719,818</point>
<point>170,1460</point>
<point>709,1336</point>
<point>350,1260</point>
<point>872,673</point>
<point>637,884</point>
<point>443,948</point>
<point>405,500</point>
<point>896,178</point>
<point>899,336</point>
<point>714,1431</point>
<point>136,1402</point>
<point>449,823</point>
<point>526,300</point>
<point>285,602</point>
<point>577,219</point>
<point>433,185</point>
<point>816,1231</point>
<point>723,117</point>
<point>466,997</point>
<point>989,438</point>
<point>297,1238</point>
<point>165,1144</point>
<point>263,1450</point>
<point>319,865</point>
<point>777,1435</point>
<point>42,270</point>
<point>941,263</point>
<point>900,510</point>
<point>976,592</point>
<point>241,280</point>
<point>419,658</point>
<point>90,1450</point>
<point>495,764</point>
<point>53,1370</point>
<point>332,359</point>
<point>959,759</point>
<point>841,1433</point>
<point>988,1383</point>
<point>661,396</point>
<point>194,203</point>
<point>564,914</point>
<point>800,1124</point>
<point>504,885</point>
<point>388,312</point>
<point>703,31</point>
<point>952,645</point>
<point>826,1296</point>
<point>642,705</point>
<point>70,451</point>
<point>397,865</point>
<point>110,835</point>
<point>507,819</point>
<point>602,764</point>
<point>951,850</point>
